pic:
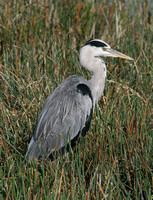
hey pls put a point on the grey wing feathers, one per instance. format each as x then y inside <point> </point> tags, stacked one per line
<point>63,115</point>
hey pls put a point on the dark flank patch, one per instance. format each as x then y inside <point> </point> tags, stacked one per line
<point>96,43</point>
<point>84,130</point>
<point>85,90</point>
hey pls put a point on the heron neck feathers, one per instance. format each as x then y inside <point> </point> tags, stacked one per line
<point>97,82</point>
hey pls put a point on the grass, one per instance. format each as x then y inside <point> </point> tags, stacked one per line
<point>39,48</point>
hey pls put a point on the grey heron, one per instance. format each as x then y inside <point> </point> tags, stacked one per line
<point>68,111</point>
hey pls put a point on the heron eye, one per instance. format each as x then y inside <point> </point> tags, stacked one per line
<point>106,48</point>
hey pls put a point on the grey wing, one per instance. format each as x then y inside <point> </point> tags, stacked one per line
<point>66,112</point>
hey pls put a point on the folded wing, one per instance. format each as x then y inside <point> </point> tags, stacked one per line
<point>66,113</point>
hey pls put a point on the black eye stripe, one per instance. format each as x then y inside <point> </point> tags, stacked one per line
<point>96,43</point>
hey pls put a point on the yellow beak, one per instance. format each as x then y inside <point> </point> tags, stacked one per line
<point>113,53</point>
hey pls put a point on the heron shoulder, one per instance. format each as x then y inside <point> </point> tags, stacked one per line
<point>84,89</point>
<point>68,88</point>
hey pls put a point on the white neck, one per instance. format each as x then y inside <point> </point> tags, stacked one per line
<point>98,68</point>
<point>97,82</point>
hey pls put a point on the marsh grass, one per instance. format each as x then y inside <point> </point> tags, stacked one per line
<point>39,48</point>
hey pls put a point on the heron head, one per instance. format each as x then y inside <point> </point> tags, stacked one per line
<point>100,48</point>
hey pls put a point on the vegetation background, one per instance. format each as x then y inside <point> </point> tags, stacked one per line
<point>39,48</point>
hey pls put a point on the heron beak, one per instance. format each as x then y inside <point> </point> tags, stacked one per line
<point>113,53</point>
